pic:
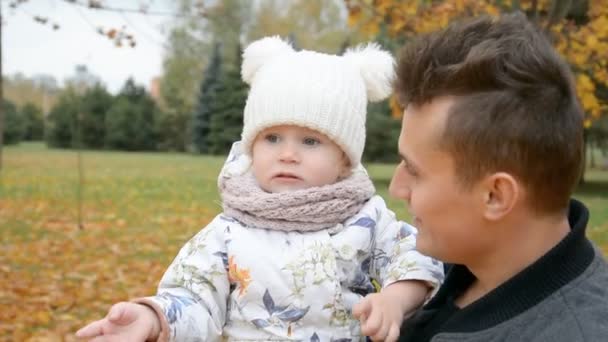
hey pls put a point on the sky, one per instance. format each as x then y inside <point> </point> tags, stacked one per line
<point>31,48</point>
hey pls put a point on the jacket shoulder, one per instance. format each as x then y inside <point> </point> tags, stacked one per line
<point>576,312</point>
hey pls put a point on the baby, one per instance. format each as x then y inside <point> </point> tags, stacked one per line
<point>302,238</point>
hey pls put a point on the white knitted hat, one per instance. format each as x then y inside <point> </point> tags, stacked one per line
<point>326,93</point>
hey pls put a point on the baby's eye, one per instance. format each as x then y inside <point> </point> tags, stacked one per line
<point>272,138</point>
<point>311,141</point>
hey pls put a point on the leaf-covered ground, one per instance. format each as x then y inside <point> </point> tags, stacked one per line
<point>138,209</point>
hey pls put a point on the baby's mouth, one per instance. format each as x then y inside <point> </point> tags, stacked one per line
<point>286,176</point>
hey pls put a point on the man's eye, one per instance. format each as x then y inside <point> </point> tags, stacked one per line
<point>311,141</point>
<point>412,172</point>
<point>273,138</point>
<point>408,168</point>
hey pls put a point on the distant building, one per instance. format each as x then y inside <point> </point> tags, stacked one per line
<point>83,79</point>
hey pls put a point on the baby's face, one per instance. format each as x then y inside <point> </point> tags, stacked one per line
<point>287,158</point>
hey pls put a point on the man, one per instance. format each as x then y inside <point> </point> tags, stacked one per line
<point>492,148</point>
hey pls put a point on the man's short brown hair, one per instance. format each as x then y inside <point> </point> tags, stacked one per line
<point>516,110</point>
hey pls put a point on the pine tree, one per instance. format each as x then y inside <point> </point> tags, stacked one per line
<point>207,95</point>
<point>94,105</point>
<point>14,124</point>
<point>131,121</point>
<point>34,121</point>
<point>59,127</point>
<point>382,134</point>
<point>226,123</point>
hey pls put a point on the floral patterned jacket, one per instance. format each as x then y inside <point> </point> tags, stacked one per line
<point>240,283</point>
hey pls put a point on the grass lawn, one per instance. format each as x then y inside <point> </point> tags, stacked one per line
<point>138,210</point>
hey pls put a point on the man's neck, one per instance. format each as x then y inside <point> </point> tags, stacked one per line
<point>523,243</point>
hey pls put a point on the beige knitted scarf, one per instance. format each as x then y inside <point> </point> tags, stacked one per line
<point>303,210</point>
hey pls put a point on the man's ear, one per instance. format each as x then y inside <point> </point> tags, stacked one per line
<point>501,193</point>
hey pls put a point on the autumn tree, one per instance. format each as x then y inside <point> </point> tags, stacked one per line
<point>311,24</point>
<point>577,28</point>
<point>185,56</point>
<point>188,53</point>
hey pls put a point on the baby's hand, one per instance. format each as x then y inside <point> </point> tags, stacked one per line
<point>124,322</point>
<point>379,316</point>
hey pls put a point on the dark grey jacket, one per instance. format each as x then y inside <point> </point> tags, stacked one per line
<point>561,297</point>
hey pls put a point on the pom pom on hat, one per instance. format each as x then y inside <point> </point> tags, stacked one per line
<point>261,52</point>
<point>376,67</point>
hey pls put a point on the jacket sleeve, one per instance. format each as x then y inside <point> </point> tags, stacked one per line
<point>193,293</point>
<point>395,255</point>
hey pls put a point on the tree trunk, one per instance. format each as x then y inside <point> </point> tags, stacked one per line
<point>581,179</point>
<point>592,164</point>
<point>80,166</point>
<point>559,10</point>
<point>1,95</point>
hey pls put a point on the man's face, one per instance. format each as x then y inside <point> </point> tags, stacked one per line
<point>446,214</point>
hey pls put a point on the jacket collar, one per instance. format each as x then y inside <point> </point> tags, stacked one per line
<point>563,263</point>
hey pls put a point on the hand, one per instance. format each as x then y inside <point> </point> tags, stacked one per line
<point>380,318</point>
<point>124,322</point>
<point>381,314</point>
